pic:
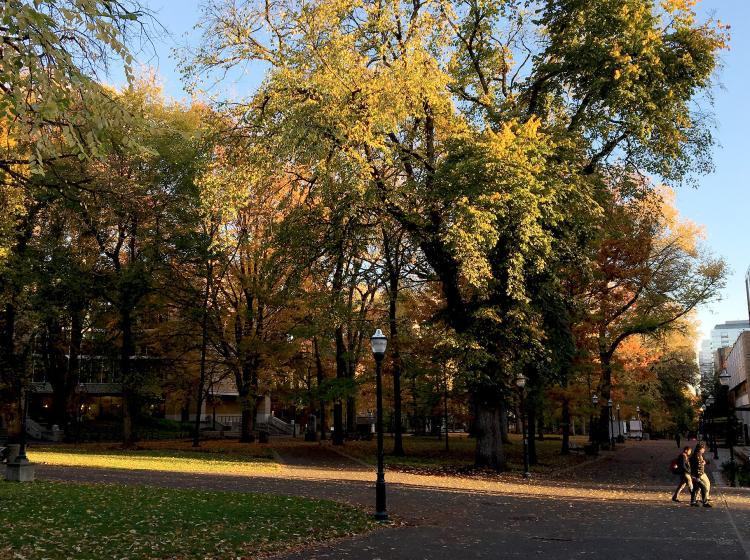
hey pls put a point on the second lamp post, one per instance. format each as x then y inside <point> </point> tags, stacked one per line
<point>521,384</point>
<point>378,343</point>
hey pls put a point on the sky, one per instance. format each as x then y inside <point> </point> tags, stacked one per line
<point>719,203</point>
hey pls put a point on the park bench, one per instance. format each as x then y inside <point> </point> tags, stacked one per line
<point>575,448</point>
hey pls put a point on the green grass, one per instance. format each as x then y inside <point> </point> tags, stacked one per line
<point>182,461</point>
<point>79,521</point>
<point>427,454</point>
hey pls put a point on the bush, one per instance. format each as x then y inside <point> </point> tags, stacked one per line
<point>742,470</point>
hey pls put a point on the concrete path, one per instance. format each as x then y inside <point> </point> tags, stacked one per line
<point>617,508</point>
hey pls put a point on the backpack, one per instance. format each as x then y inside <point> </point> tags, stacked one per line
<point>674,467</point>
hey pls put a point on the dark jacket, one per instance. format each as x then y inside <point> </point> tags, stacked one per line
<point>683,464</point>
<point>697,465</point>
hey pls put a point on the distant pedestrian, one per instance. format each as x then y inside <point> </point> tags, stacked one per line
<point>700,478</point>
<point>677,439</point>
<point>683,469</point>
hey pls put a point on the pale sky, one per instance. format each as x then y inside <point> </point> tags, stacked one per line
<point>719,204</point>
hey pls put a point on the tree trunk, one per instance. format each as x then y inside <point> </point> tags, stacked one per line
<point>204,348</point>
<point>56,370</point>
<point>341,373</point>
<point>565,426</point>
<point>445,415</point>
<point>320,374</point>
<point>489,448</point>
<point>246,431</point>
<point>531,421</point>
<point>74,362</point>
<point>605,393</point>
<point>351,415</point>
<point>394,273</point>
<point>504,422</point>
<point>129,407</point>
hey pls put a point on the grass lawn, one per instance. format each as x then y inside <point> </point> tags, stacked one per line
<point>427,454</point>
<point>80,521</point>
<point>179,458</point>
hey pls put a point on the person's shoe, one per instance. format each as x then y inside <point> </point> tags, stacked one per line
<point>708,504</point>
<point>675,499</point>
<point>694,504</point>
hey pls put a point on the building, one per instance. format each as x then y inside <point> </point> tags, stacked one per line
<point>747,290</point>
<point>706,360</point>
<point>738,368</point>
<point>724,334</point>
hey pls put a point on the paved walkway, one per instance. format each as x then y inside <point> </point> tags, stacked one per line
<point>616,507</point>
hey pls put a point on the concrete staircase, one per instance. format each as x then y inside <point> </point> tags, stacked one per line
<point>275,427</point>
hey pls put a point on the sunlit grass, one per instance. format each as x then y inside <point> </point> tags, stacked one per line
<point>428,454</point>
<point>79,521</point>
<point>179,461</point>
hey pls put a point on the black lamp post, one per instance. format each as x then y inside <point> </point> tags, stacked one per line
<point>22,458</point>
<point>611,424</point>
<point>619,422</point>
<point>378,343</point>
<point>521,384</point>
<point>594,431</point>
<point>702,421</point>
<point>712,437</point>
<point>724,379</point>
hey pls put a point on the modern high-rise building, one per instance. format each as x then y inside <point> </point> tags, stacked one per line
<point>706,359</point>
<point>724,335</point>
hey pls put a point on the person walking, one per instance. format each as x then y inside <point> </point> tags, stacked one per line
<point>677,439</point>
<point>683,466</point>
<point>700,478</point>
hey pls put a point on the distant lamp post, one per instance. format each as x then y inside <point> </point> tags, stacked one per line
<point>724,379</point>
<point>594,435</point>
<point>619,422</point>
<point>638,414</point>
<point>378,343</point>
<point>521,384</point>
<point>713,446</point>
<point>611,424</point>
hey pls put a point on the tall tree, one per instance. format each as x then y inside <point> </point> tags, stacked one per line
<point>479,158</point>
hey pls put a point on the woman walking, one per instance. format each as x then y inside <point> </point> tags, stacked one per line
<point>700,478</point>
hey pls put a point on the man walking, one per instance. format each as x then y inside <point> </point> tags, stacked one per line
<point>683,466</point>
<point>700,478</point>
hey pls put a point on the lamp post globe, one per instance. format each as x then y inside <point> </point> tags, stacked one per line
<point>594,399</point>
<point>378,344</point>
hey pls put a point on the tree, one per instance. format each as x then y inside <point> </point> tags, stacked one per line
<point>649,273</point>
<point>54,52</point>
<point>478,158</point>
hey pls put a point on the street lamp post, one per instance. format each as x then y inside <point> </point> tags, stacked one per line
<point>611,426</point>
<point>378,343</point>
<point>712,437</point>
<point>619,422</point>
<point>22,458</point>
<point>594,431</point>
<point>724,379</point>
<point>521,384</point>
